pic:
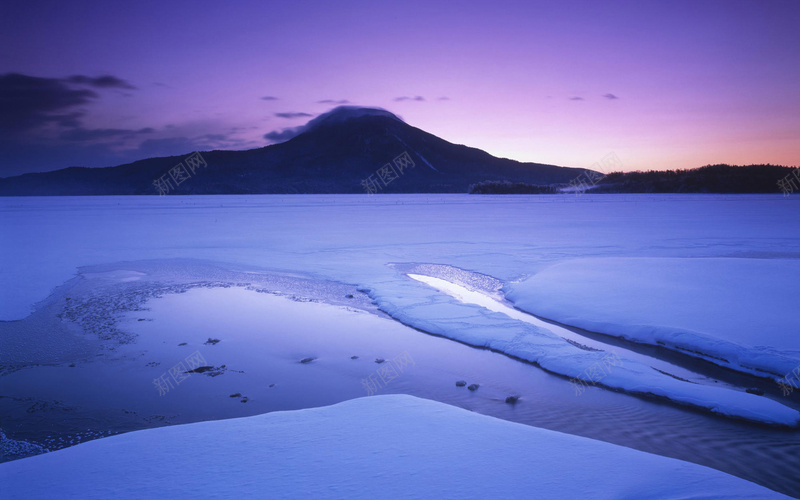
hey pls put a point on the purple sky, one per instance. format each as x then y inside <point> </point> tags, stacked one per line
<point>662,84</point>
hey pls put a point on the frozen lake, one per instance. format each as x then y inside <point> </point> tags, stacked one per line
<point>100,296</point>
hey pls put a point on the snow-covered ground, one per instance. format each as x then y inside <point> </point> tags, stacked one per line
<point>713,277</point>
<point>378,447</point>
<point>676,260</point>
<point>740,313</point>
<point>541,345</point>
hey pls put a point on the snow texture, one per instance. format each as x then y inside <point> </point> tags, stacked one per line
<point>379,447</point>
<point>354,239</point>
<point>737,313</point>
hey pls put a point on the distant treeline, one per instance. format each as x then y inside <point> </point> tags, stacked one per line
<point>708,179</point>
<point>506,187</point>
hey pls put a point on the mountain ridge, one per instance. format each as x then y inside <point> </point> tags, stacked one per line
<point>333,153</point>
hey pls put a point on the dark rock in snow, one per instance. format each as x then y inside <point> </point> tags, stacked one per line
<point>211,341</point>
<point>473,387</point>
<point>211,371</point>
<point>307,360</point>
<point>379,360</point>
<point>512,399</point>
<point>461,383</point>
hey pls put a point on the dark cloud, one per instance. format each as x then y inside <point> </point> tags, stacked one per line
<point>610,96</point>
<point>29,102</point>
<point>284,135</point>
<point>293,115</point>
<point>418,98</point>
<point>82,134</point>
<point>69,120</point>
<point>577,99</point>
<point>102,82</point>
<point>333,101</point>
<point>269,98</point>
<point>42,127</point>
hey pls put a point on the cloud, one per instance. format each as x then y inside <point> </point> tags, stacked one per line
<point>333,101</point>
<point>82,134</point>
<point>577,99</point>
<point>443,98</point>
<point>610,96</point>
<point>293,115</point>
<point>418,98</point>
<point>44,125</point>
<point>336,115</point>
<point>269,98</point>
<point>30,102</point>
<point>284,135</point>
<point>102,82</point>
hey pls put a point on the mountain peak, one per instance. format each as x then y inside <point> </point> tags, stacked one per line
<point>336,116</point>
<point>341,114</point>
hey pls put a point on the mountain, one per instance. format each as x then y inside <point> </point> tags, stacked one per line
<point>333,153</point>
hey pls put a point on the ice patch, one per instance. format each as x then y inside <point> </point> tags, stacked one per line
<point>414,305</point>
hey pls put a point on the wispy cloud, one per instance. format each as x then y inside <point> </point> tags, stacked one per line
<point>101,82</point>
<point>576,98</point>
<point>418,98</point>
<point>333,101</point>
<point>82,134</point>
<point>610,96</point>
<point>269,98</point>
<point>284,135</point>
<point>293,115</point>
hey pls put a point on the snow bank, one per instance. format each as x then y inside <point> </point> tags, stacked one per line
<point>412,304</point>
<point>738,313</point>
<point>380,447</point>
